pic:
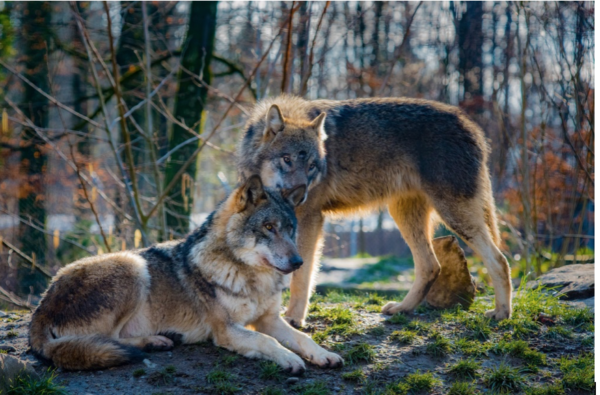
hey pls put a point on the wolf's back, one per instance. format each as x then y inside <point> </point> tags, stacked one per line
<point>80,352</point>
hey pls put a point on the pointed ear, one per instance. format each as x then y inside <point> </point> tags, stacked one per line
<point>295,196</point>
<point>318,124</point>
<point>274,122</point>
<point>250,194</point>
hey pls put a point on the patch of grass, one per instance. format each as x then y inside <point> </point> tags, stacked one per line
<point>360,352</point>
<point>229,360</point>
<point>138,373</point>
<point>462,388</point>
<point>269,371</point>
<point>387,268</point>
<point>220,380</point>
<point>25,384</point>
<point>578,373</point>
<point>404,336</point>
<point>578,317</point>
<point>420,382</point>
<point>320,337</point>
<point>356,375</point>
<point>464,369</point>
<point>419,326</point>
<point>504,379</point>
<point>478,327</point>
<point>548,389</point>
<point>164,377</point>
<point>378,330</point>
<point>218,376</point>
<point>472,347</point>
<point>440,346</point>
<point>316,388</point>
<point>272,391</point>
<point>12,333</point>
<point>588,341</point>
<point>340,321</point>
<point>225,388</point>
<point>521,327</point>
<point>559,332</point>
<point>399,388</point>
<point>520,349</point>
<point>398,319</point>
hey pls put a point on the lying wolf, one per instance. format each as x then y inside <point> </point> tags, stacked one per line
<point>424,160</point>
<point>106,310</point>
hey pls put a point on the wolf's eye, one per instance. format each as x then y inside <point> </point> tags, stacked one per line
<point>287,159</point>
<point>312,166</point>
<point>269,227</point>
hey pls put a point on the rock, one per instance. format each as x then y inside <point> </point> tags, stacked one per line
<point>7,348</point>
<point>582,304</point>
<point>292,380</point>
<point>572,282</point>
<point>11,367</point>
<point>3,314</point>
<point>454,285</point>
<point>149,364</point>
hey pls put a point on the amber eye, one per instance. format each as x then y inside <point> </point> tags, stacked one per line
<point>269,227</point>
<point>287,159</point>
<point>312,166</point>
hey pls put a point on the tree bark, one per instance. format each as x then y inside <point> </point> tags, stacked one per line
<point>189,107</point>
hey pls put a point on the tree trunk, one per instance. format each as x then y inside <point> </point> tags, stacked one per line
<point>34,22</point>
<point>470,42</point>
<point>189,106</point>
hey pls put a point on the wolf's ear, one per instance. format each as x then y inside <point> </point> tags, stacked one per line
<point>251,193</point>
<point>274,122</point>
<point>295,196</point>
<point>318,124</point>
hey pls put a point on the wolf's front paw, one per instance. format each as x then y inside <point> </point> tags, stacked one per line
<point>392,308</point>
<point>291,363</point>
<point>498,314</point>
<point>295,322</point>
<point>158,343</point>
<point>326,359</point>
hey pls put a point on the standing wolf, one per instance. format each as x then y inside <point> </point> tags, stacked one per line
<point>424,160</point>
<point>103,311</point>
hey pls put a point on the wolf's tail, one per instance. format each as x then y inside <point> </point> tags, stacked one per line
<point>80,352</point>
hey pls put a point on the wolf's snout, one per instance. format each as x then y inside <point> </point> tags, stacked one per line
<point>296,261</point>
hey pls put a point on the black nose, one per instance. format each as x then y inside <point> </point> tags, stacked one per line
<point>296,261</point>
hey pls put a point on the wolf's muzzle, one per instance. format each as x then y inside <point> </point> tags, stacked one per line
<point>296,261</point>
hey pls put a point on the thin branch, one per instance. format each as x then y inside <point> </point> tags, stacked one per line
<point>27,258</point>
<point>311,55</point>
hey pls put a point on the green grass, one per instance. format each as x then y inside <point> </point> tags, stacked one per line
<point>472,347</point>
<point>378,330</point>
<point>315,388</point>
<point>520,349</point>
<point>478,326</point>
<point>269,371</point>
<point>385,270</point>
<point>272,391</point>
<point>440,346</point>
<point>420,382</point>
<point>12,333</point>
<point>25,384</point>
<point>398,319</point>
<point>548,389</point>
<point>356,375</point>
<point>559,332</point>
<point>404,336</point>
<point>462,388</point>
<point>164,377</point>
<point>339,320</point>
<point>229,360</point>
<point>521,327</point>
<point>361,352</point>
<point>578,373</point>
<point>420,327</point>
<point>221,381</point>
<point>218,376</point>
<point>138,373</point>
<point>464,369</point>
<point>504,379</point>
<point>588,341</point>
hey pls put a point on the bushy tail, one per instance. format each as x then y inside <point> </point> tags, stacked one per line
<point>86,352</point>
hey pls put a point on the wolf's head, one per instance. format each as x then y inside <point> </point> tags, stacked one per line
<point>261,229</point>
<point>286,152</point>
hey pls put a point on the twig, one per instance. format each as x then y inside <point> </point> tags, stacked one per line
<point>14,299</point>
<point>311,55</point>
<point>27,258</point>
<point>399,49</point>
<point>192,157</point>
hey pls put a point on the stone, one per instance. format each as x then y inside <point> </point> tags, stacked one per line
<point>3,314</point>
<point>7,348</point>
<point>572,282</point>
<point>454,285</point>
<point>11,367</point>
<point>292,380</point>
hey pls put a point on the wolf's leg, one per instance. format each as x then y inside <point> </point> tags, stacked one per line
<point>149,343</point>
<point>475,222</point>
<point>310,230</point>
<point>274,325</point>
<point>253,344</point>
<point>412,215</point>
